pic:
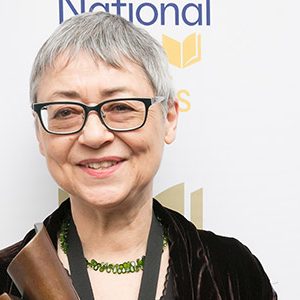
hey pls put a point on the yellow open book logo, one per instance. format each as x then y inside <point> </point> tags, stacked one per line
<point>183,54</point>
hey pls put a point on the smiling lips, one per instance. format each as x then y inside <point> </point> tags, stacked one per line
<point>101,165</point>
<point>101,168</point>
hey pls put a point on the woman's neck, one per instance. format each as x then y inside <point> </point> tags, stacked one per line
<point>115,233</point>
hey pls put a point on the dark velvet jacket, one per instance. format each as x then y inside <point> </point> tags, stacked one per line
<point>204,265</point>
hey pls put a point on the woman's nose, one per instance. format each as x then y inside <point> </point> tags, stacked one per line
<point>94,134</point>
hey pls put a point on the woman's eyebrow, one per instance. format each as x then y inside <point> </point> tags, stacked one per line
<point>105,93</point>
<point>110,92</point>
<point>66,94</point>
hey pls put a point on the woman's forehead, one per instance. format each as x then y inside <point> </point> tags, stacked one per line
<point>71,74</point>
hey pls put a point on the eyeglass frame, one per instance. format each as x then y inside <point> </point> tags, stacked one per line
<point>37,107</point>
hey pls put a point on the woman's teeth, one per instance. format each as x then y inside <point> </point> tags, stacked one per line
<point>101,165</point>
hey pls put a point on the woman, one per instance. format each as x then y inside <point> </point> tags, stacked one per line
<point>104,107</point>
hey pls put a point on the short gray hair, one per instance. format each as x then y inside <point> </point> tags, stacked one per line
<point>109,38</point>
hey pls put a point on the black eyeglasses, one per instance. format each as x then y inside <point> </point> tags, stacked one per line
<point>68,117</point>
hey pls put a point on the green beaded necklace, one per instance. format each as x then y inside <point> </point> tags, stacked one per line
<point>123,268</point>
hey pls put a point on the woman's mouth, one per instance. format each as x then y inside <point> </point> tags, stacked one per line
<point>101,168</point>
<point>101,165</point>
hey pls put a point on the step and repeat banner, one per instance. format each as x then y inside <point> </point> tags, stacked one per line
<point>234,168</point>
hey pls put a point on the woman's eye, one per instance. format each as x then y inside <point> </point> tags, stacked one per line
<point>65,113</point>
<point>121,108</point>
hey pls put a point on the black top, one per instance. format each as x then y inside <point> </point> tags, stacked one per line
<point>203,265</point>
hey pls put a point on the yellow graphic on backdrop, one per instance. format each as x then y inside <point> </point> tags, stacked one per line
<point>184,103</point>
<point>62,196</point>
<point>183,54</point>
<point>172,198</point>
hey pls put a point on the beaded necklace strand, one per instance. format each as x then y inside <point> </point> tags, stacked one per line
<point>123,268</point>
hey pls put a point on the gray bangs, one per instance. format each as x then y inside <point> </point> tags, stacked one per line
<point>109,38</point>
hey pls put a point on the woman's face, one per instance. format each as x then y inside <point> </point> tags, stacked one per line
<point>97,166</point>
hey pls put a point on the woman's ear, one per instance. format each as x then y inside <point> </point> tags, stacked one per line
<point>171,121</point>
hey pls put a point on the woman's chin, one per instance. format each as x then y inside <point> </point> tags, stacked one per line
<point>100,200</point>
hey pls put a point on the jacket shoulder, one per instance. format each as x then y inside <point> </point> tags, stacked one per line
<point>235,263</point>
<point>235,271</point>
<point>7,254</point>
<point>228,253</point>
